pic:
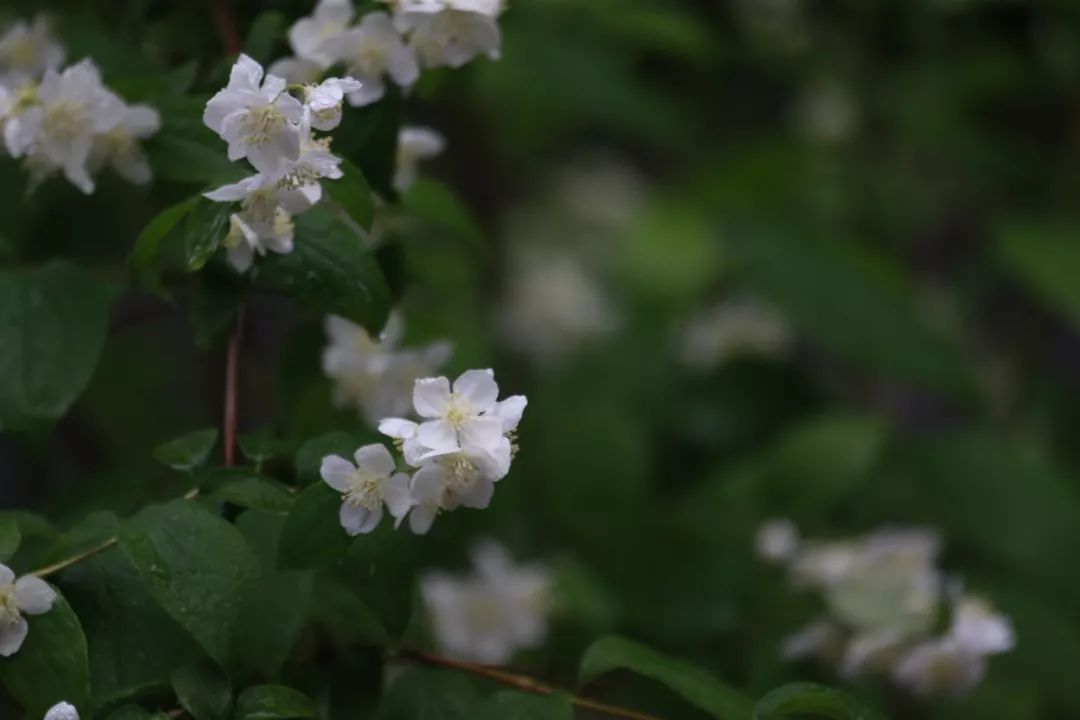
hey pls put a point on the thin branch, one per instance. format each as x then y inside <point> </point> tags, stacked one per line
<point>232,372</point>
<point>523,683</point>
<point>226,26</point>
<point>75,559</point>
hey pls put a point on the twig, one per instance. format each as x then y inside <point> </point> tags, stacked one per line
<point>226,26</point>
<point>75,559</point>
<point>232,371</point>
<point>520,682</point>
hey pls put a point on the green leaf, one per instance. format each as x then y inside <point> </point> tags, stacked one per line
<point>187,452</point>
<point>310,455</point>
<point>276,607</point>
<point>203,690</point>
<point>53,321</point>
<point>368,136</point>
<point>510,705</point>
<point>197,567</point>
<point>809,700</point>
<point>133,643</point>
<point>437,204</point>
<point>1046,257</point>
<point>274,702</point>
<point>694,684</point>
<point>204,230</point>
<point>249,490</point>
<point>380,567</point>
<point>313,535</point>
<point>353,194</point>
<point>329,271</point>
<point>267,30</point>
<point>51,666</point>
<point>10,537</point>
<point>431,695</point>
<point>134,712</point>
<point>261,446</point>
<point>852,303</point>
<point>185,150</point>
<point>145,260</point>
<point>216,298</point>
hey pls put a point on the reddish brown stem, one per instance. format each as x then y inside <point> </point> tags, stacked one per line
<point>226,26</point>
<point>523,683</point>
<point>232,373</point>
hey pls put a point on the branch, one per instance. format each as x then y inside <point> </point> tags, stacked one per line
<point>75,559</point>
<point>232,372</point>
<point>519,682</point>
<point>226,26</point>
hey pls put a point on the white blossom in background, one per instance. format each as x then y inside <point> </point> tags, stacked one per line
<point>119,147</point>
<point>827,112</point>
<point>62,711</point>
<point>372,51</point>
<point>29,595</point>
<point>884,595</point>
<point>733,328</point>
<point>415,144</point>
<point>492,613</point>
<point>366,486</point>
<point>376,375</point>
<point>310,37</point>
<point>462,446</point>
<point>451,33</point>
<point>28,51</point>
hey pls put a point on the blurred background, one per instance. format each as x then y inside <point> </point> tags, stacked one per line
<point>747,259</point>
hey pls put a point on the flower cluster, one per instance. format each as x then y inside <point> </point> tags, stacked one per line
<point>461,447</point>
<point>394,44</point>
<point>66,120</point>
<point>884,594</point>
<point>489,615</point>
<point>376,375</point>
<point>29,595</point>
<point>262,122</point>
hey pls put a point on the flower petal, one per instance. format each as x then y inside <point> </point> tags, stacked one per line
<point>337,472</point>
<point>397,495</point>
<point>398,428</point>
<point>510,410</point>
<point>7,576</point>
<point>12,636</point>
<point>62,711</point>
<point>479,388</point>
<point>421,518</point>
<point>478,495</point>
<point>438,435</point>
<point>375,458</point>
<point>485,432</point>
<point>431,396</point>
<point>354,518</point>
<point>33,595</point>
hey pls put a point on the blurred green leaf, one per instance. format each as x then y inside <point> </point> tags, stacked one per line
<point>693,684</point>
<point>205,228</point>
<point>435,203</point>
<point>145,257</point>
<point>1046,258</point>
<point>10,537</point>
<point>274,702</point>
<point>133,712</point>
<point>51,666</point>
<point>429,694</point>
<point>262,446</point>
<point>381,568</point>
<point>203,690</point>
<point>368,136</point>
<point>247,489</point>
<point>329,271</point>
<point>196,566</point>
<point>187,452</point>
<point>809,700</point>
<point>265,34</point>
<point>509,705</point>
<point>313,534</point>
<point>53,321</point>
<point>352,193</point>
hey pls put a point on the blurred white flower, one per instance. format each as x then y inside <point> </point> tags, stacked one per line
<point>452,34</point>
<point>733,328</point>
<point>820,638</point>
<point>414,145</point>
<point>376,375</point>
<point>372,50</point>
<point>29,595</point>
<point>28,51</point>
<point>553,303</point>
<point>827,112</point>
<point>366,486</point>
<point>257,117</point>
<point>777,540</point>
<point>119,147</point>
<point>312,37</point>
<point>296,70</point>
<point>489,615</point>
<point>324,100</point>
<point>62,711</point>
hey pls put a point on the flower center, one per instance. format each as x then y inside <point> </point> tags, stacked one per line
<point>22,53</point>
<point>9,610</point>
<point>364,491</point>
<point>458,411</point>
<point>66,120</point>
<point>262,124</point>
<point>370,58</point>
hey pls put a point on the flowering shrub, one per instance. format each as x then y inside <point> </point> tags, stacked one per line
<point>413,359</point>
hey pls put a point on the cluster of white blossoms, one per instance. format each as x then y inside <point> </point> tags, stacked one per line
<point>376,375</point>
<point>263,123</point>
<point>462,445</point>
<point>393,44</point>
<point>66,121</point>
<point>733,328</point>
<point>29,595</point>
<point>884,596</point>
<point>492,613</point>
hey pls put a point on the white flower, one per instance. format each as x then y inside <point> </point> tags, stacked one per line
<point>265,219</point>
<point>28,50</point>
<point>57,129</point>
<point>119,146</point>
<point>456,478</point>
<point>62,711</point>
<point>778,540</point>
<point>370,51</point>
<point>376,375</point>
<point>29,595</point>
<point>821,638</point>
<point>310,36</point>
<point>453,36</point>
<point>489,615</point>
<point>734,328</point>
<point>366,486</point>
<point>324,101</point>
<point>462,415</point>
<point>296,70</point>
<point>257,117</point>
<point>414,144</point>
<point>977,627</point>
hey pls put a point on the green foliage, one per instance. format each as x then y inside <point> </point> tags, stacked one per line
<point>311,535</point>
<point>809,700</point>
<point>10,537</point>
<point>507,705</point>
<point>274,702</point>
<point>203,691</point>
<point>187,452</point>
<point>354,196</point>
